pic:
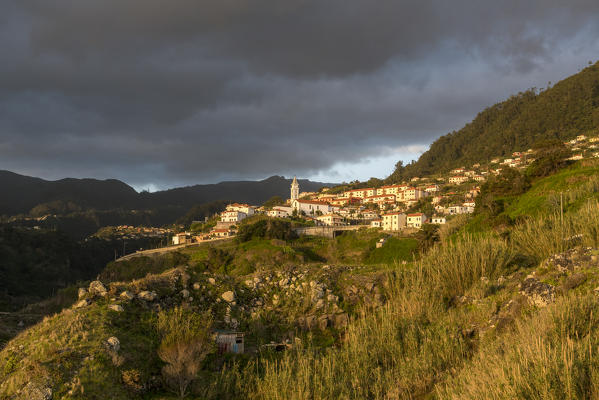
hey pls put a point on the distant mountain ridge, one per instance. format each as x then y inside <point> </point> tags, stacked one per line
<point>21,194</point>
<point>569,108</point>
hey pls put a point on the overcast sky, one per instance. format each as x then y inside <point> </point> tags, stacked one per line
<point>168,93</point>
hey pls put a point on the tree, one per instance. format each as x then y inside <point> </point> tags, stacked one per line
<point>274,201</point>
<point>551,156</point>
<point>428,235</point>
<point>186,341</point>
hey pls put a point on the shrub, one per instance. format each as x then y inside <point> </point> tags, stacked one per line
<point>186,341</point>
<point>266,228</point>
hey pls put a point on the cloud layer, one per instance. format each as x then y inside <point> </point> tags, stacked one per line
<point>169,93</point>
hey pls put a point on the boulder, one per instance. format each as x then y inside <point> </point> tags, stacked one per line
<point>319,304</point>
<point>538,293</point>
<point>127,295</point>
<point>36,392</point>
<point>283,282</point>
<point>317,293</point>
<point>97,288</point>
<point>341,320</point>
<point>228,296</point>
<point>196,286</point>
<point>113,344</point>
<point>323,322</point>
<point>81,293</point>
<point>147,295</point>
<point>574,281</point>
<point>185,293</point>
<point>82,303</point>
<point>116,307</point>
<point>212,281</point>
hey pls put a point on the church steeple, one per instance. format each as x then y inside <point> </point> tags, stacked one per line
<point>294,189</point>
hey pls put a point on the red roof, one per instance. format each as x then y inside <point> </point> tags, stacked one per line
<point>415,215</point>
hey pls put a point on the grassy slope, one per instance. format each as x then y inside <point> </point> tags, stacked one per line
<point>577,184</point>
<point>443,333</point>
<point>455,326</point>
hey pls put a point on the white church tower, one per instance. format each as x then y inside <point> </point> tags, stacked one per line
<point>294,189</point>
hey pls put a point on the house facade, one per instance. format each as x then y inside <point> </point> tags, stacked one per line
<point>438,220</point>
<point>232,216</point>
<point>415,220</point>
<point>278,213</point>
<point>312,207</point>
<point>331,220</point>
<point>394,221</point>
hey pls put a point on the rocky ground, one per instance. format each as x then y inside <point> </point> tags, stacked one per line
<point>277,306</point>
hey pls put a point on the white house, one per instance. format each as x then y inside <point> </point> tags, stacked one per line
<point>457,180</point>
<point>232,216</point>
<point>413,194</point>
<point>380,199</point>
<point>331,219</point>
<point>416,220</point>
<point>459,210</point>
<point>278,212</point>
<point>221,232</point>
<point>394,221</point>
<point>367,214</point>
<point>181,238</point>
<point>376,223</point>
<point>312,207</point>
<point>438,220</point>
<point>243,208</point>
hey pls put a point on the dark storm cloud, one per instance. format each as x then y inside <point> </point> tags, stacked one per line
<point>194,91</point>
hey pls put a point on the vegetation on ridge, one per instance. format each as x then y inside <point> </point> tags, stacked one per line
<point>569,108</point>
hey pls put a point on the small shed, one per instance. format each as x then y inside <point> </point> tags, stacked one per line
<point>229,342</point>
<point>381,242</point>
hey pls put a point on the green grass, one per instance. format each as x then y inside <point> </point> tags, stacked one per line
<point>578,183</point>
<point>394,250</point>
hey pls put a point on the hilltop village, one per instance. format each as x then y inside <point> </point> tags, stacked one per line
<point>405,206</point>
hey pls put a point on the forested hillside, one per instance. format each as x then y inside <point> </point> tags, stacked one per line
<point>38,197</point>
<point>569,108</point>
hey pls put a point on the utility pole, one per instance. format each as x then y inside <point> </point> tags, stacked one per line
<point>123,247</point>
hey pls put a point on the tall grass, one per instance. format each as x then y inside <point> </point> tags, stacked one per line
<point>552,355</point>
<point>415,343</point>
<point>403,349</point>
<point>547,235</point>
